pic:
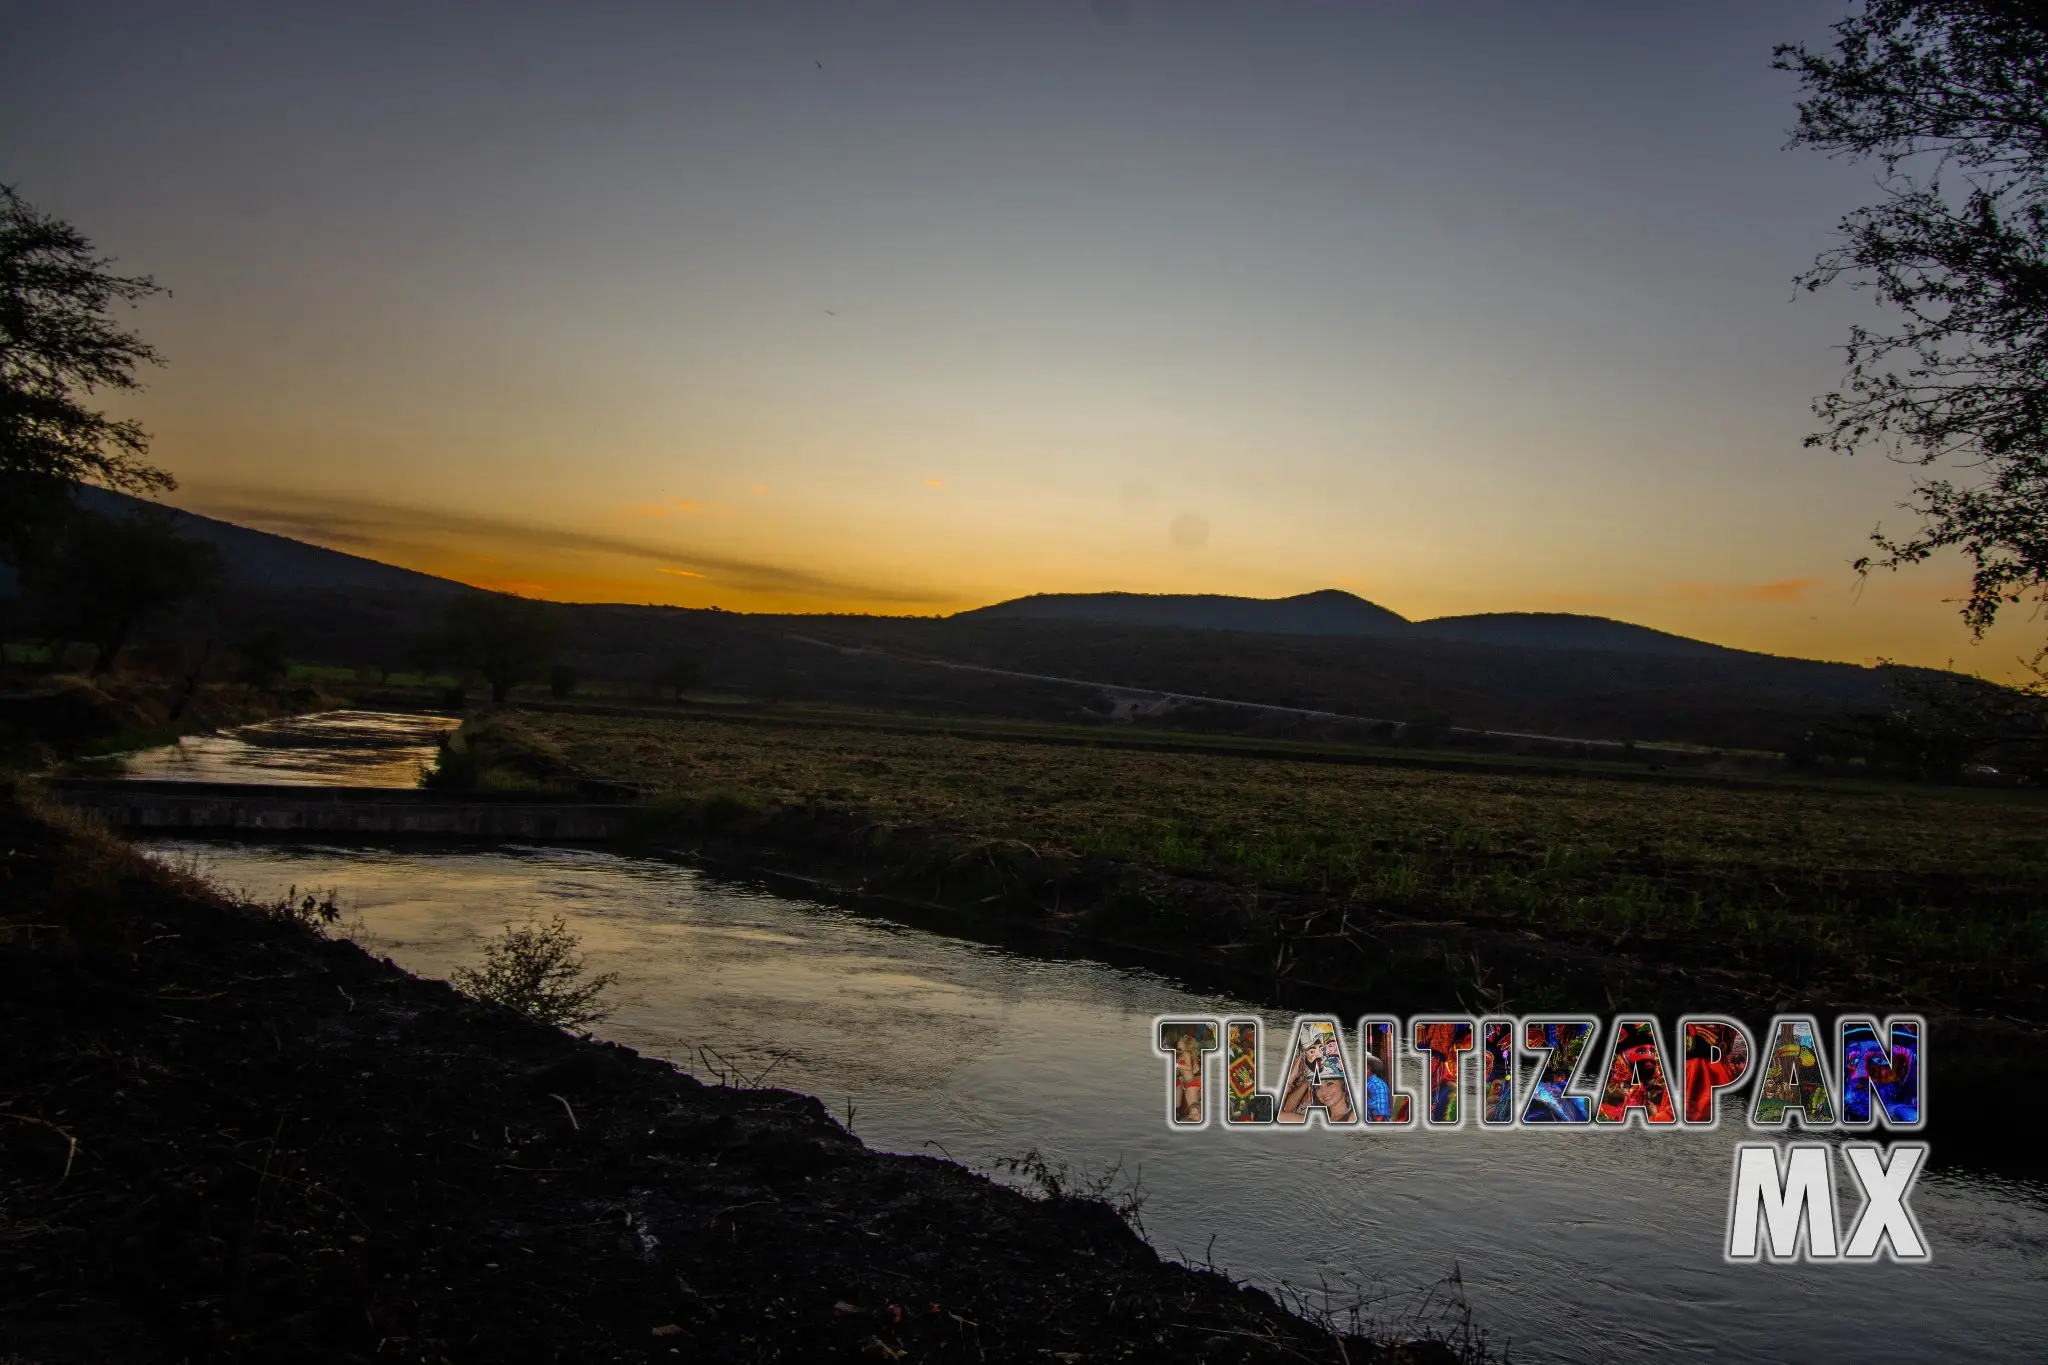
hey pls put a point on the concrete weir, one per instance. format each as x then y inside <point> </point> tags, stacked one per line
<point>224,807</point>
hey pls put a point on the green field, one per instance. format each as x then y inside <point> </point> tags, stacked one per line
<point>1929,895</point>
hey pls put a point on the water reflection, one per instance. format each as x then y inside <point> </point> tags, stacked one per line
<point>1576,1247</point>
<point>326,749</point>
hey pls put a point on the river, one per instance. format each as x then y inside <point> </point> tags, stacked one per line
<point>1570,1246</point>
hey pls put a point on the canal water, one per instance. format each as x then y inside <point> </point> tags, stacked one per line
<point>1569,1246</point>
<point>327,749</point>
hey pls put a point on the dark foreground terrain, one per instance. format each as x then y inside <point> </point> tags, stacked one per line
<point>226,1137</point>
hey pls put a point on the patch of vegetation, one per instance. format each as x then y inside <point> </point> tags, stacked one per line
<point>320,673</point>
<point>501,639</point>
<point>536,969</point>
<point>495,753</point>
<point>678,815</point>
<point>313,911</point>
<point>1932,895</point>
<point>1121,1194</point>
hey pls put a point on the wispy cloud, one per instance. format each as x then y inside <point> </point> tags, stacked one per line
<point>1563,600</point>
<point>368,526</point>
<point>680,573</point>
<point>667,508</point>
<point>1779,590</point>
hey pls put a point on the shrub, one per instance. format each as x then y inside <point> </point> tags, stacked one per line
<point>312,911</point>
<point>536,970</point>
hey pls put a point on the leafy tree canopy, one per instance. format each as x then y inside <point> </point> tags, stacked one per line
<point>103,576</point>
<point>58,346</point>
<point>1950,99</point>
<point>505,640</point>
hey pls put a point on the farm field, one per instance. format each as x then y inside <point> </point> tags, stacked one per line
<point>1900,895</point>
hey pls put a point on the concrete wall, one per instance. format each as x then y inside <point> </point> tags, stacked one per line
<point>173,807</point>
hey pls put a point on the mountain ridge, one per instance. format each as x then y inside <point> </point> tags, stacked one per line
<point>1334,612</point>
<point>270,560</point>
<point>277,561</point>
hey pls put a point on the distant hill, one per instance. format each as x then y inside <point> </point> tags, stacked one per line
<point>1329,612</point>
<point>1564,630</point>
<point>1325,652</point>
<point>1333,612</point>
<point>258,558</point>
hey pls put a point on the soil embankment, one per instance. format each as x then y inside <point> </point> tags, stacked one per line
<point>223,1136</point>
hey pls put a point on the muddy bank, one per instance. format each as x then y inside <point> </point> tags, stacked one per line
<point>230,1138</point>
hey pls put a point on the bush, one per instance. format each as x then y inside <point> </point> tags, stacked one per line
<point>499,755</point>
<point>312,912</point>
<point>261,663</point>
<point>536,970</point>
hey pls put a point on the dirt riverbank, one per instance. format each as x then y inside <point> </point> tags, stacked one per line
<point>223,1136</point>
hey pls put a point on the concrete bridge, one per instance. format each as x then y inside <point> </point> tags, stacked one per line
<point>138,807</point>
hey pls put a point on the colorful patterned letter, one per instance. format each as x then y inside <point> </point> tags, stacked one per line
<point>1562,1043</point>
<point>1636,1076</point>
<point>1443,1040</point>
<point>1189,1042</point>
<point>1385,1100</point>
<point>1318,1076</point>
<point>1894,1075</point>
<point>1497,1079</point>
<point>1245,1102</point>
<point>1716,1057</point>
<point>1795,1078</point>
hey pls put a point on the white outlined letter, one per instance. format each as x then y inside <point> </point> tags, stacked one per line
<point>1803,1192</point>
<point>1887,1217</point>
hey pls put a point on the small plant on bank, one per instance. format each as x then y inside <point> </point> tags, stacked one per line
<point>312,911</point>
<point>535,968</point>
<point>1055,1180</point>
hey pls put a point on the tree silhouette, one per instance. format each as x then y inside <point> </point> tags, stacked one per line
<point>678,674</point>
<point>104,576</point>
<point>57,345</point>
<point>1950,99</point>
<point>505,640</point>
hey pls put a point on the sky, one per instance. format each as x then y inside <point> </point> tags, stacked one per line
<point>908,308</point>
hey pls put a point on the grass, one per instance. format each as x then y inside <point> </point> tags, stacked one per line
<point>497,754</point>
<point>1925,894</point>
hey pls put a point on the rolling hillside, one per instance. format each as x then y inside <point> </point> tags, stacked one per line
<point>1334,612</point>
<point>1325,651</point>
<point>259,558</point>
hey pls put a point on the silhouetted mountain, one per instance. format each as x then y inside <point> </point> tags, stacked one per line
<point>1329,612</point>
<point>1328,652</point>
<point>1332,612</point>
<point>258,558</point>
<point>1563,630</point>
